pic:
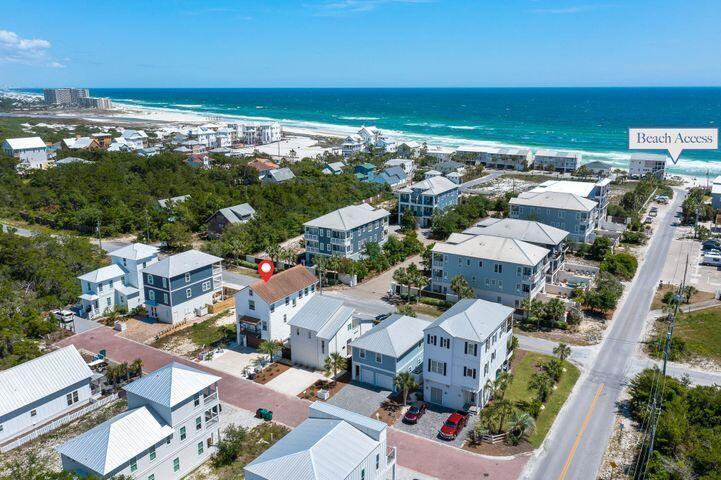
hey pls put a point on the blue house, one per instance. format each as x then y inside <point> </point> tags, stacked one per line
<point>180,286</point>
<point>364,171</point>
<point>344,232</point>
<point>426,197</point>
<point>393,346</point>
<point>391,176</point>
<point>567,211</point>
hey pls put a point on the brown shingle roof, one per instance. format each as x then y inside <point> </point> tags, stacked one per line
<point>284,283</point>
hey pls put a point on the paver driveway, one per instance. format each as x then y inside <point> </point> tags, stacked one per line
<point>430,423</point>
<point>360,398</point>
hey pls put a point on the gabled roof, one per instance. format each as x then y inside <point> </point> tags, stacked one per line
<point>472,319</point>
<point>103,273</point>
<point>42,376</point>
<point>348,218</point>
<point>70,160</point>
<point>112,443</point>
<point>134,134</point>
<point>648,157</point>
<point>432,186</point>
<point>281,174</point>
<point>262,164</point>
<point>323,315</point>
<point>596,164</point>
<point>237,213</point>
<point>181,263</point>
<point>489,247</point>
<point>563,201</point>
<point>283,284</point>
<point>549,153</point>
<point>335,166</point>
<point>164,202</point>
<point>25,143</point>
<point>448,166</point>
<point>396,162</point>
<point>393,336</point>
<point>582,189</point>
<point>524,230</point>
<point>135,251</point>
<point>171,384</point>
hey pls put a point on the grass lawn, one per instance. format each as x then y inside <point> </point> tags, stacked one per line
<point>702,332</point>
<point>522,371</point>
<point>696,297</point>
<point>424,309</point>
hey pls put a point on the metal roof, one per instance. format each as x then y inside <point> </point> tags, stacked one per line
<point>181,263</point>
<point>648,157</point>
<point>103,273</point>
<point>165,202</point>
<point>42,376</point>
<point>135,251</point>
<point>557,154</point>
<point>489,247</point>
<point>348,218</point>
<point>393,336</point>
<point>281,174</point>
<point>69,160</point>
<point>524,230</point>
<point>472,319</point>
<point>433,186</point>
<point>582,189</point>
<point>323,315</point>
<point>558,200</point>
<point>25,143</point>
<point>112,443</point>
<point>171,384</point>
<point>237,213</point>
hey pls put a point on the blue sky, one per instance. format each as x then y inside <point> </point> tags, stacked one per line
<point>394,43</point>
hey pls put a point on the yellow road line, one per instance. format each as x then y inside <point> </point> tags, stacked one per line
<point>580,433</point>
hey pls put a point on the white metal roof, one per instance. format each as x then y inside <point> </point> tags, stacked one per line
<point>648,157</point>
<point>524,230</point>
<point>393,336</point>
<point>103,273</point>
<point>348,218</point>
<point>472,319</point>
<point>558,200</point>
<point>432,185</point>
<point>37,378</point>
<point>112,443</point>
<point>181,263</point>
<point>488,247</point>
<point>582,189</point>
<point>135,251</point>
<point>171,384</point>
<point>25,143</point>
<point>547,153</point>
<point>323,315</point>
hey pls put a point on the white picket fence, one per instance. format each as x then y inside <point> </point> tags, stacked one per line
<point>57,423</point>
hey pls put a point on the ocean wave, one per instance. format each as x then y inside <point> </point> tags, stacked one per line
<point>426,124</point>
<point>465,127</point>
<point>186,105</point>
<point>359,118</point>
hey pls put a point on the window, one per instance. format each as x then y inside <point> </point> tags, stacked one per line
<point>149,280</point>
<point>470,349</point>
<point>264,325</point>
<point>165,298</point>
<point>151,476</point>
<point>306,290</point>
<point>176,464</point>
<point>480,264</point>
<point>196,400</point>
<point>33,413</point>
<point>363,474</point>
<point>469,372</point>
<point>133,465</point>
<point>187,277</point>
<point>200,448</point>
<point>493,356</point>
<point>165,282</point>
<point>198,423</point>
<point>498,268</point>
<point>295,302</point>
<point>151,453</point>
<point>287,300</point>
<point>206,286</point>
<point>285,318</point>
<point>1,427</point>
<point>445,342</point>
<point>250,292</point>
<point>436,367</point>
<point>431,339</point>
<point>378,461</point>
<point>182,433</point>
<point>379,358</point>
<point>272,307</point>
<point>251,304</point>
<point>107,301</point>
<point>188,293</point>
<point>361,353</point>
<point>72,397</point>
<point>308,333</point>
<point>322,346</point>
<point>151,294</point>
<point>485,369</point>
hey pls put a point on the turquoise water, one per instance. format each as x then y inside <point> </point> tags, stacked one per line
<point>591,120</point>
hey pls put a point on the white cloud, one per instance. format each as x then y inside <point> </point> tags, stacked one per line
<point>27,51</point>
<point>345,7</point>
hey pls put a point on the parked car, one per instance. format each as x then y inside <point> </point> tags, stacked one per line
<point>453,425</point>
<point>415,412</point>
<point>63,316</point>
<point>711,244</point>
<point>662,199</point>
<point>648,220</point>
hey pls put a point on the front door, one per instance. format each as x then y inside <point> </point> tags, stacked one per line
<point>436,395</point>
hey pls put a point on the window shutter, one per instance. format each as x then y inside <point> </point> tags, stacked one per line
<point>444,369</point>
<point>465,348</point>
<point>475,349</point>
<point>474,373</point>
<point>464,371</point>
<point>429,364</point>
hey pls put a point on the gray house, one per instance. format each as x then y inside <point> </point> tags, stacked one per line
<point>577,215</point>
<point>599,191</point>
<point>170,428</point>
<point>501,270</point>
<point>279,175</point>
<point>344,232</point>
<point>427,197</point>
<point>393,346</point>
<point>536,233</point>
<point>241,213</point>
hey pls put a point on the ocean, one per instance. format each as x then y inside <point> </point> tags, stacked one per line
<point>593,121</point>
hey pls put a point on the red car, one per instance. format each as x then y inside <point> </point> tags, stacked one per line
<point>415,412</point>
<point>453,425</point>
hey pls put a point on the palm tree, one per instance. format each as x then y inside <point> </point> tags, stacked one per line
<point>334,363</point>
<point>274,252</point>
<point>401,276</point>
<point>554,369</point>
<point>688,292</point>
<point>522,423</point>
<point>405,382</point>
<point>542,384</point>
<point>562,351</point>
<point>503,409</point>
<point>461,288</point>
<point>270,348</point>
<point>555,309</point>
<point>500,385</point>
<point>137,367</point>
<point>321,264</point>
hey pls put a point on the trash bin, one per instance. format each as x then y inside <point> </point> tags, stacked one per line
<point>264,413</point>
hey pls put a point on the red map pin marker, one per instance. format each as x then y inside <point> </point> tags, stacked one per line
<point>265,269</point>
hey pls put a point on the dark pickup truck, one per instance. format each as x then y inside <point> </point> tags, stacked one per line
<point>453,425</point>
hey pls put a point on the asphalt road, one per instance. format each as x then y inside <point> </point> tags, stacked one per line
<point>578,439</point>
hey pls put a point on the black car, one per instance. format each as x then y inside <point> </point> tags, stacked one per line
<point>415,412</point>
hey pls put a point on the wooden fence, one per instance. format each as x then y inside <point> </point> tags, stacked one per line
<point>57,423</point>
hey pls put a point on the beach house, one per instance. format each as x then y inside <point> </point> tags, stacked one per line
<point>406,164</point>
<point>42,389</point>
<point>136,139</point>
<point>171,426</point>
<point>30,151</point>
<point>642,164</point>
<point>394,177</point>
<point>351,145</point>
<point>465,348</point>
<point>599,191</point>
<point>181,286</point>
<point>278,175</point>
<point>263,310</point>
<point>332,443</point>
<point>241,213</point>
<point>427,197</point>
<point>557,160</point>
<point>501,158</point>
<point>393,346</point>
<point>601,169</point>
<point>567,211</point>
<point>345,232</point>
<point>334,168</point>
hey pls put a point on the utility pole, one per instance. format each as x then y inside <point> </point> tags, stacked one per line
<point>100,239</point>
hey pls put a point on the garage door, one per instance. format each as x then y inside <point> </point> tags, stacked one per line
<point>384,381</point>
<point>367,376</point>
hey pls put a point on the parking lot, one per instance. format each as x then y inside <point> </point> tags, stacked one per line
<point>430,423</point>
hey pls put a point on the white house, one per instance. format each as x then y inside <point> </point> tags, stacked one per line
<point>352,144</point>
<point>323,326</point>
<point>464,348</point>
<point>41,390</point>
<point>170,428</point>
<point>333,443</point>
<point>31,151</point>
<point>264,309</point>
<point>642,164</point>
<point>406,164</point>
<point>203,135</point>
<point>133,259</point>
<point>135,139</point>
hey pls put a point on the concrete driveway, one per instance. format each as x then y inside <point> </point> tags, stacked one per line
<point>233,360</point>
<point>294,380</point>
<point>360,398</point>
<point>430,423</point>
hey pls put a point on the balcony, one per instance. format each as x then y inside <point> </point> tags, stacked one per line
<point>340,241</point>
<point>311,238</point>
<point>213,397</point>
<point>212,421</point>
